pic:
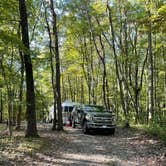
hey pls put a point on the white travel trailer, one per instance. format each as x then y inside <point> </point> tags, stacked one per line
<point>50,116</point>
<point>67,108</point>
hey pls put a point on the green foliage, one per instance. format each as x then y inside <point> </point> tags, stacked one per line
<point>154,129</point>
<point>157,131</point>
<point>81,66</point>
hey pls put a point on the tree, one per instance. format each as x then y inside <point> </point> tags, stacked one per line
<point>57,61</point>
<point>1,107</point>
<point>51,50</point>
<point>9,90</point>
<point>119,80</point>
<point>31,130</point>
<point>19,113</point>
<point>114,57</point>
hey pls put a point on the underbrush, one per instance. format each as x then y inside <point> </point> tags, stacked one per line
<point>155,130</point>
<point>18,147</point>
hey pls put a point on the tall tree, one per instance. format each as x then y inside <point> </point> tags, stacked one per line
<point>57,61</point>
<point>19,113</point>
<point>18,124</point>
<point>151,66</point>
<point>1,107</point>
<point>9,90</point>
<point>31,130</point>
<point>119,80</point>
<point>52,67</point>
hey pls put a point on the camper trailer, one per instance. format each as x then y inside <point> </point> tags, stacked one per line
<point>67,108</point>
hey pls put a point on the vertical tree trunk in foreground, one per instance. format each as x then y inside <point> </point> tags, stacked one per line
<point>31,130</point>
<point>52,69</point>
<point>58,91</point>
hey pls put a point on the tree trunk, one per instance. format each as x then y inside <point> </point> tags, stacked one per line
<point>70,88</point>
<point>18,125</point>
<point>31,130</point>
<point>126,63</point>
<point>64,90</point>
<point>164,63</point>
<point>14,108</point>
<point>102,58</point>
<point>108,94</point>
<point>82,90</point>
<point>150,63</point>
<point>101,55</point>
<point>1,107</point>
<point>9,101</point>
<point>87,70</point>
<point>57,60</point>
<point>54,127</point>
<point>116,66</point>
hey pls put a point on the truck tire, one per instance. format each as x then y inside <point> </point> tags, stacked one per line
<point>85,128</point>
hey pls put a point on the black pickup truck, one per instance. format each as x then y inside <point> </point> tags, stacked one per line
<point>92,117</point>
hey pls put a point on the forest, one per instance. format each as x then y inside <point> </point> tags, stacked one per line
<point>109,53</point>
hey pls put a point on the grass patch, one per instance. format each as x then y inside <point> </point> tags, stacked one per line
<point>154,130</point>
<point>21,146</point>
<point>32,145</point>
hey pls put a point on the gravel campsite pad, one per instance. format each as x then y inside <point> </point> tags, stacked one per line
<point>128,147</point>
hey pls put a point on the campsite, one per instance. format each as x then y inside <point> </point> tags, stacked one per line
<point>83,82</point>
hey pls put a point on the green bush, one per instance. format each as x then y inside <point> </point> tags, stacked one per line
<point>157,130</point>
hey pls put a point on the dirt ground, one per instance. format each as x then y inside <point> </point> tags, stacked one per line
<point>128,147</point>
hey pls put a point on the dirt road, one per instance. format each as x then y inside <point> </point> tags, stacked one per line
<point>125,148</point>
<point>128,147</point>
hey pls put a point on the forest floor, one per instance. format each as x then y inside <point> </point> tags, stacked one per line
<point>128,147</point>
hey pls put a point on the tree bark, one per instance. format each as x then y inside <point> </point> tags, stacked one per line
<point>31,130</point>
<point>86,69</point>
<point>57,61</point>
<point>164,63</point>
<point>151,73</point>
<point>9,99</point>
<point>54,127</point>
<point>105,82</point>
<point>137,80</point>
<point>101,55</point>
<point>126,63</point>
<point>82,90</point>
<point>70,88</point>
<point>18,124</point>
<point>1,107</point>
<point>116,66</point>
